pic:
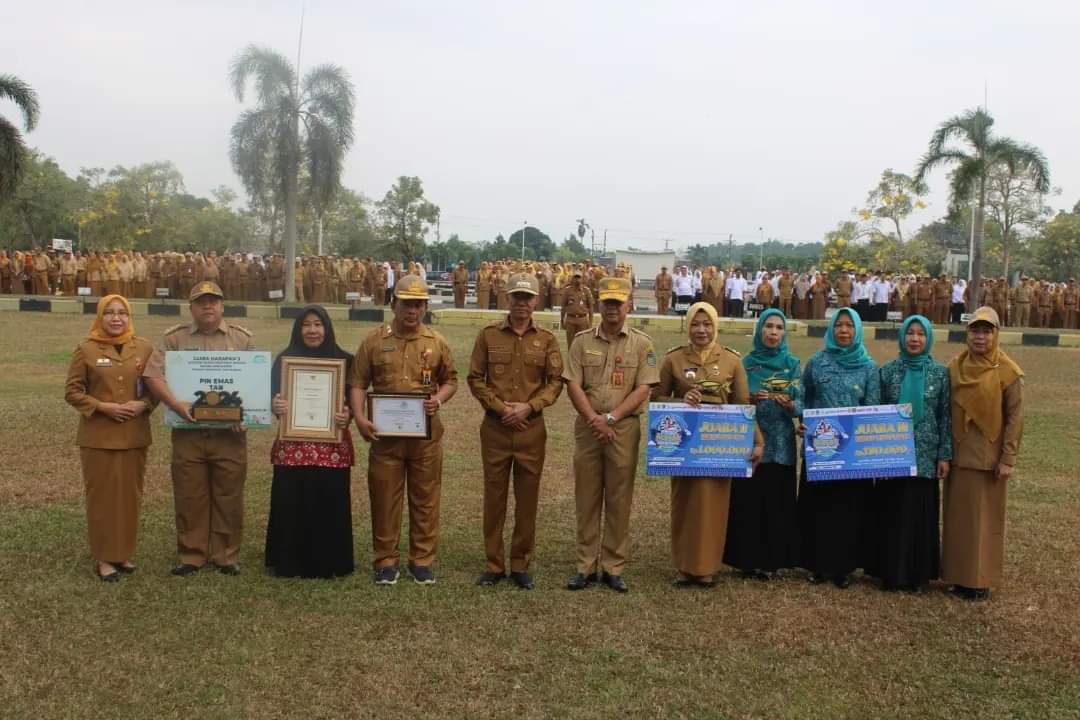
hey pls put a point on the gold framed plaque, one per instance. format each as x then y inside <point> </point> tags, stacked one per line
<point>399,415</point>
<point>314,389</point>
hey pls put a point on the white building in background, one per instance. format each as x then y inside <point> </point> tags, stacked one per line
<point>646,264</point>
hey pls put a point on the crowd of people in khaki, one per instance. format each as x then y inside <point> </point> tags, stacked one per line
<point>968,425</point>
<point>334,279</point>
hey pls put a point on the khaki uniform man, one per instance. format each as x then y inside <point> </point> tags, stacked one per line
<point>844,287</point>
<point>786,286</point>
<point>80,270</point>
<point>1044,299</point>
<point>275,276</point>
<point>1022,298</point>
<point>942,298</point>
<point>41,273</point>
<point>68,270</point>
<point>461,284</point>
<point>405,356</point>
<point>355,278</point>
<point>1071,298</point>
<point>764,296</point>
<point>610,371</point>
<point>256,280</point>
<point>95,274</point>
<point>662,289</point>
<point>186,275</point>
<point>924,297</point>
<point>209,467</point>
<point>7,272</point>
<point>1000,300</point>
<point>515,372</point>
<point>577,308</point>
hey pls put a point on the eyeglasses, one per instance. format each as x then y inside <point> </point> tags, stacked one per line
<point>115,313</point>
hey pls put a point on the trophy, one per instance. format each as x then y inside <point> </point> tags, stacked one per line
<point>214,406</point>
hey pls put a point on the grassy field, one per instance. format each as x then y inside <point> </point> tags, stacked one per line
<point>257,646</point>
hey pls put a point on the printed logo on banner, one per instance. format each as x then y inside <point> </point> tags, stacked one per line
<point>827,438</point>
<point>669,433</point>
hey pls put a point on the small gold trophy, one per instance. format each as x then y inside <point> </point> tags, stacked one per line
<point>214,406</point>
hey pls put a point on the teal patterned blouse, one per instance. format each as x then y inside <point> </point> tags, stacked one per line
<point>778,427</point>
<point>933,435</point>
<point>827,385</point>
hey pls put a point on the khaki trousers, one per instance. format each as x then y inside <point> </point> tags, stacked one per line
<point>663,303</point>
<point>503,451</point>
<point>1023,314</point>
<point>459,296</point>
<point>208,472</point>
<point>604,486</point>
<point>785,306</point>
<point>573,326</point>
<point>395,464</point>
<point>483,298</point>
<point>67,285</point>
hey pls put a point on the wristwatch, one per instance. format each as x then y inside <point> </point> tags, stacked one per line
<point>610,419</point>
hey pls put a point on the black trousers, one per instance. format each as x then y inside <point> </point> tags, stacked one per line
<point>956,311</point>
<point>863,308</point>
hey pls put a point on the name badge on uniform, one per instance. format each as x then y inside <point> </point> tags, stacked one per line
<point>388,348</point>
<point>425,377</point>
<point>104,362</point>
<point>617,377</point>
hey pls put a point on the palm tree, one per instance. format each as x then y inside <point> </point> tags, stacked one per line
<point>970,176</point>
<point>295,124</point>
<point>12,148</point>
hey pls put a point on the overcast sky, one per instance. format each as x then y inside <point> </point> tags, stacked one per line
<point>681,120</point>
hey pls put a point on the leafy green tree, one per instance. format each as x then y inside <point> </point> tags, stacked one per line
<point>1057,248</point>
<point>294,124</point>
<point>405,216</point>
<point>538,246</point>
<point>967,143</point>
<point>13,150</point>
<point>347,226</point>
<point>44,205</point>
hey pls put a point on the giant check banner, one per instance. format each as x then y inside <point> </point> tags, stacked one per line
<point>709,440</point>
<point>224,387</point>
<point>876,441</point>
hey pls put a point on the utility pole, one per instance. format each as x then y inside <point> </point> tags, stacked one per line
<point>524,227</point>
<point>731,250</point>
<point>604,252</point>
<point>761,248</point>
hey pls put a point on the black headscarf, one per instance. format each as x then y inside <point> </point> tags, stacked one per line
<point>297,348</point>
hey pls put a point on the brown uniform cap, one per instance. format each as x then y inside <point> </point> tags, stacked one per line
<point>204,288</point>
<point>523,283</point>
<point>987,315</point>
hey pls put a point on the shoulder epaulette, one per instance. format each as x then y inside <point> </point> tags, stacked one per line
<point>242,329</point>
<point>674,349</point>
<point>639,332</point>
<point>733,351</point>
<point>582,332</point>
<point>174,328</point>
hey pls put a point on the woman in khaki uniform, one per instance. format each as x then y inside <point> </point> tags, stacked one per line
<point>702,371</point>
<point>988,423</point>
<point>104,384</point>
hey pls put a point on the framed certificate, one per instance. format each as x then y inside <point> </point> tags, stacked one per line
<point>399,415</point>
<point>314,388</point>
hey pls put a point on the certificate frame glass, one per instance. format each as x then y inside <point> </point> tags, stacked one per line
<point>322,382</point>
<point>411,404</point>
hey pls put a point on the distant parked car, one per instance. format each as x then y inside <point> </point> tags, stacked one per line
<point>437,276</point>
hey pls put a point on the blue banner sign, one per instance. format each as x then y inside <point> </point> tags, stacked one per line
<point>853,443</point>
<point>709,440</point>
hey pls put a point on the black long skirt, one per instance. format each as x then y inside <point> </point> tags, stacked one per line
<point>309,533</point>
<point>762,531</point>
<point>835,526</point>
<point>909,540</point>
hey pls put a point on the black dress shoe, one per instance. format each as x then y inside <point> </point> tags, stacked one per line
<point>522,580</point>
<point>581,581</point>
<point>232,570</point>
<point>842,581</point>
<point>185,569</point>
<point>616,583</point>
<point>489,579</point>
<point>109,578</point>
<point>682,581</point>
<point>122,568</point>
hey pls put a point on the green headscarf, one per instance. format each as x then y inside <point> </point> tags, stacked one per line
<point>913,386</point>
<point>854,356</point>
<point>772,369</point>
